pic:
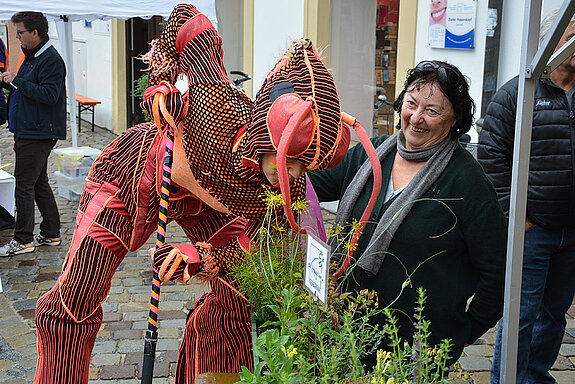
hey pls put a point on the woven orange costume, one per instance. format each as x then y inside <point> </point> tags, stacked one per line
<point>220,136</point>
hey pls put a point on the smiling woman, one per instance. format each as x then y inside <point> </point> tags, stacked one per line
<point>437,223</point>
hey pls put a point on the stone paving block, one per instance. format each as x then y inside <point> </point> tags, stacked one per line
<point>562,363</point>
<point>563,377</point>
<point>143,298</point>
<point>104,347</point>
<point>115,290</point>
<point>169,333</point>
<point>171,315</point>
<point>45,286</point>
<point>103,334</point>
<point>168,345</point>
<point>21,340</point>
<point>110,372</point>
<point>117,325</point>
<point>474,363</point>
<point>479,350</point>
<point>172,323</point>
<point>109,307</point>
<point>172,306</point>
<point>181,296</point>
<point>140,324</point>
<point>6,365</point>
<point>136,316</point>
<point>132,282</point>
<point>110,316</point>
<point>133,307</point>
<point>567,350</point>
<point>139,289</point>
<point>23,286</point>
<point>125,346</point>
<point>134,357</point>
<point>129,334</point>
<point>121,297</point>
<point>481,378</point>
<point>105,359</point>
<point>11,326</point>
<point>93,374</point>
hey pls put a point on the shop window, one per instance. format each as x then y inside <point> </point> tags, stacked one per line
<point>385,64</point>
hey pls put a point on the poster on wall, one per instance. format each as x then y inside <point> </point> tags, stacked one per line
<point>452,24</point>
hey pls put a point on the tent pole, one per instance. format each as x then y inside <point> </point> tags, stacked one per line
<point>64,28</point>
<point>518,202</point>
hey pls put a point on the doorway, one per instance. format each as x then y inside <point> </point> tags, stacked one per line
<point>139,35</point>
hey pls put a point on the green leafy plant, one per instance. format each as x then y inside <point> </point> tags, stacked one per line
<point>140,85</point>
<point>301,341</point>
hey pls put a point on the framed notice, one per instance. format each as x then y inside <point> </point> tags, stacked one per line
<point>452,23</point>
<point>316,274</point>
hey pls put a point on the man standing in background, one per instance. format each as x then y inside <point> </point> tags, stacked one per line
<point>548,281</point>
<point>37,118</point>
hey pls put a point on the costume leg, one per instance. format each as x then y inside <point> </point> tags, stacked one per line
<point>31,161</point>
<point>536,261</point>
<point>218,334</point>
<point>69,315</point>
<point>550,326</point>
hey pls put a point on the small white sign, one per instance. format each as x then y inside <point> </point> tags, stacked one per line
<point>316,275</point>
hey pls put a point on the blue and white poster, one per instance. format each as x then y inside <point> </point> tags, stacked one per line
<point>452,24</point>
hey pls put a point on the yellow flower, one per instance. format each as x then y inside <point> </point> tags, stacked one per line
<point>290,352</point>
<point>300,206</point>
<point>272,198</point>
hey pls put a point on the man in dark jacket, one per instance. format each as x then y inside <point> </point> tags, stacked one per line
<point>37,117</point>
<point>549,250</point>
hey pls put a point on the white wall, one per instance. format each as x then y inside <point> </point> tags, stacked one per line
<point>469,62</point>
<point>276,24</point>
<point>95,43</point>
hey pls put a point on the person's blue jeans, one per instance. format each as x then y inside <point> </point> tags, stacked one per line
<point>547,289</point>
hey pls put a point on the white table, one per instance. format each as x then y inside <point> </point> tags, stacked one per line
<point>7,187</point>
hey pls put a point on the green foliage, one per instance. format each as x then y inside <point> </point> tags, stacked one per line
<point>276,264</point>
<point>419,362</point>
<point>303,342</point>
<point>140,85</point>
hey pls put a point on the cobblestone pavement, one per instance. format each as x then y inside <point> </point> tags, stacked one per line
<point>118,351</point>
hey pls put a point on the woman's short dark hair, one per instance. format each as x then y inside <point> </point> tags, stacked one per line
<point>453,84</point>
<point>32,21</point>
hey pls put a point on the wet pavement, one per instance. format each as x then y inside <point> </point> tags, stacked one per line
<point>118,351</point>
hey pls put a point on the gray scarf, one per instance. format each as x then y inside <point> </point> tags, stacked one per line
<point>436,158</point>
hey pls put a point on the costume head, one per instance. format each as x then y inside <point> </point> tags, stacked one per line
<point>296,113</point>
<point>298,98</point>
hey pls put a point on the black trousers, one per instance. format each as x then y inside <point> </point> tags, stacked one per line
<point>32,186</point>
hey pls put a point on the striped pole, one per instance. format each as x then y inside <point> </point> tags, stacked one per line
<point>151,337</point>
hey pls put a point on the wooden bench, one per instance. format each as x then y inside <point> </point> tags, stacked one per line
<point>85,104</point>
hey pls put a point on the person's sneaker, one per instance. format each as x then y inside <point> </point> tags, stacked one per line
<point>15,248</point>
<point>40,240</point>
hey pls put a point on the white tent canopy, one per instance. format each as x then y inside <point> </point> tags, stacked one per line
<point>65,11</point>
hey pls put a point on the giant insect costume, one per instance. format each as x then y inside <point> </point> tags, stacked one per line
<point>220,136</point>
